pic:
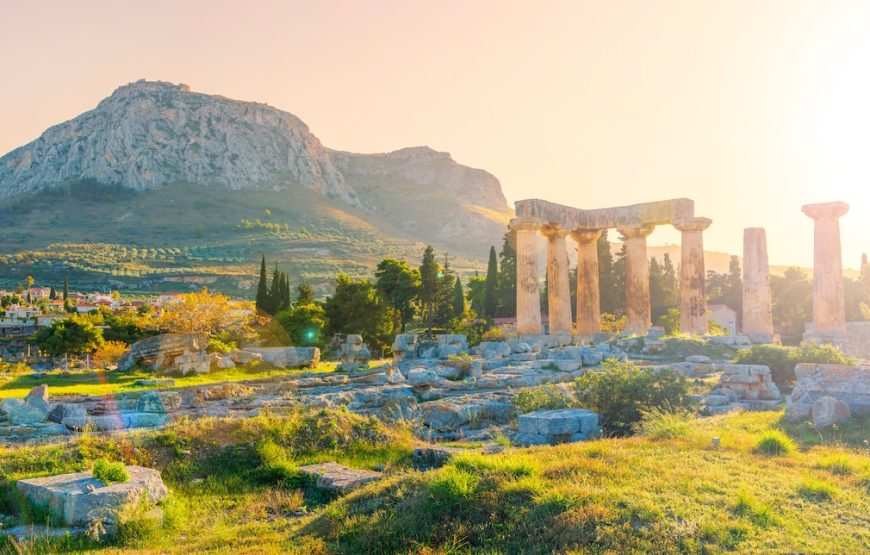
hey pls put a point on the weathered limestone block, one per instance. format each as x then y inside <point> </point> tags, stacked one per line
<point>160,351</point>
<point>394,376</point>
<point>493,350</point>
<point>423,377</point>
<point>355,353</point>
<point>551,426</point>
<point>33,410</point>
<point>288,357</point>
<point>849,384</point>
<point>67,497</point>
<point>828,411</point>
<point>750,382</point>
<point>244,357</point>
<point>660,212</point>
<point>66,410</point>
<point>336,478</point>
<point>405,347</point>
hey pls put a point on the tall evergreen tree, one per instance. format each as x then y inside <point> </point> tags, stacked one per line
<point>304,294</point>
<point>609,293</point>
<point>52,294</point>
<point>66,287</point>
<point>262,301</point>
<point>490,295</point>
<point>429,273</point>
<point>444,302</point>
<point>400,286</point>
<point>458,299</point>
<point>657,291</point>
<point>507,280</point>
<point>671,282</point>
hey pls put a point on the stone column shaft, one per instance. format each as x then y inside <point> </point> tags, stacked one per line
<point>829,309</point>
<point>588,290</point>
<point>693,295</point>
<point>528,286</point>
<point>757,311</point>
<point>637,299</point>
<point>558,289</point>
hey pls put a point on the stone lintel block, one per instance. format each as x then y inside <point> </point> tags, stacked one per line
<point>558,422</point>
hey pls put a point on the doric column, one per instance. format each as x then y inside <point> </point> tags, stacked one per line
<point>588,291</point>
<point>637,301</point>
<point>693,296</point>
<point>528,287</point>
<point>558,290</point>
<point>829,309</point>
<point>757,312</point>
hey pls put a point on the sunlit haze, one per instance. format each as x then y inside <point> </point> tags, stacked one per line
<point>750,108</point>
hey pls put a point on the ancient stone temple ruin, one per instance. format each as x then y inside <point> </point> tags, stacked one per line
<point>634,223</point>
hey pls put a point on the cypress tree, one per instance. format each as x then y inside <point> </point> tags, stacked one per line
<point>506,305</point>
<point>490,292</point>
<point>53,294</point>
<point>458,299</point>
<point>262,288</point>
<point>66,287</point>
<point>429,270</point>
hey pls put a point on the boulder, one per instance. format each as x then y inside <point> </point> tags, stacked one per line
<point>336,478</point>
<point>422,377</point>
<point>34,408</point>
<point>828,411</point>
<point>552,426</point>
<point>150,402</point>
<point>224,362</point>
<point>7,405</point>
<point>65,410</point>
<point>394,376</point>
<point>492,350</point>
<point>244,357</point>
<point>78,499</point>
<point>846,383</point>
<point>288,357</point>
<point>159,352</point>
<point>698,359</point>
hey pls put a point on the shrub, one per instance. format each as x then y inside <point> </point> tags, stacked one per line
<point>547,396</point>
<point>110,353</point>
<point>774,442</point>
<point>622,392</point>
<point>782,360</point>
<point>453,487</point>
<point>495,334</point>
<point>462,361</point>
<point>664,423</point>
<point>816,490</point>
<point>215,345</point>
<point>109,472</point>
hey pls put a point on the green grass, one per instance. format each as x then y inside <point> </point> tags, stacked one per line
<point>236,489</point>
<point>774,442</point>
<point>99,382</point>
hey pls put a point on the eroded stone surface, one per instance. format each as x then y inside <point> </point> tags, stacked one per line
<point>849,384</point>
<point>336,478</point>
<point>79,498</point>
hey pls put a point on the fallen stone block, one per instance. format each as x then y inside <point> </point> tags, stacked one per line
<point>558,422</point>
<point>336,478</point>
<point>828,411</point>
<point>78,499</point>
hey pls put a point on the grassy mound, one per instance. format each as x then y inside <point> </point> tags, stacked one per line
<point>235,488</point>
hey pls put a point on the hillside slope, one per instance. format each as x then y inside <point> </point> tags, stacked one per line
<point>204,184</point>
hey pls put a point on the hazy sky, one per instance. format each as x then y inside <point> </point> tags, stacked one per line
<point>750,108</point>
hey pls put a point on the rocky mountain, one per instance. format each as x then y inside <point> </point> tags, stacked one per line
<point>148,134</point>
<point>209,183</point>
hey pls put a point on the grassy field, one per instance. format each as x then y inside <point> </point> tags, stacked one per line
<point>99,382</point>
<point>236,489</point>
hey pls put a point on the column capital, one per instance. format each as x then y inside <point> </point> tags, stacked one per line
<point>825,210</point>
<point>694,224</point>
<point>635,231</point>
<point>525,224</point>
<point>552,230</point>
<point>584,236</point>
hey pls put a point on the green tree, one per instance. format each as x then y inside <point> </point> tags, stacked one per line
<point>458,299</point>
<point>400,286</point>
<point>358,307</point>
<point>490,294</point>
<point>30,281</point>
<point>476,289</point>
<point>304,323</point>
<point>262,302</point>
<point>792,300</point>
<point>507,280</point>
<point>65,288</point>
<point>430,271</point>
<point>445,297</point>
<point>657,292</point>
<point>304,294</point>
<point>52,294</point>
<point>611,301</point>
<point>74,335</point>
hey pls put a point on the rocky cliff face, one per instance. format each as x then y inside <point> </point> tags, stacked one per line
<point>147,134</point>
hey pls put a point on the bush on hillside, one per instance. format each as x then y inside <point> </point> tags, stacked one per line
<point>622,392</point>
<point>547,396</point>
<point>109,472</point>
<point>782,360</point>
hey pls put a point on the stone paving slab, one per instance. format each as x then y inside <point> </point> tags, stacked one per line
<point>334,477</point>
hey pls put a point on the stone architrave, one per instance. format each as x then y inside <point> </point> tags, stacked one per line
<point>637,298</point>
<point>757,311</point>
<point>588,290</point>
<point>693,296</point>
<point>829,309</point>
<point>528,286</point>
<point>558,289</point>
